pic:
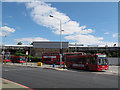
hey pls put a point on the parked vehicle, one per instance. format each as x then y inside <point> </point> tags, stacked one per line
<point>6,57</point>
<point>97,62</point>
<point>18,59</point>
<point>51,58</point>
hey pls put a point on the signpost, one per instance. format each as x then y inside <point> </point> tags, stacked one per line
<point>3,52</point>
<point>26,57</point>
<point>26,52</point>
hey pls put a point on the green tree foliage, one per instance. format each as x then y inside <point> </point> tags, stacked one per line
<point>109,55</point>
<point>20,53</point>
<point>19,43</point>
<point>31,43</point>
<point>115,54</point>
<point>88,53</point>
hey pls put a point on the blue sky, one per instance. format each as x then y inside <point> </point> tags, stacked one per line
<point>87,23</point>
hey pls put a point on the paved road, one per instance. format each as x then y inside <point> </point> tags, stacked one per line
<point>46,78</point>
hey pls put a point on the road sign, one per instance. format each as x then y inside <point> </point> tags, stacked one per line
<point>26,52</point>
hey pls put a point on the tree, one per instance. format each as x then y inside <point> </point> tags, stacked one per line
<point>109,55</point>
<point>114,54</point>
<point>31,43</point>
<point>19,43</point>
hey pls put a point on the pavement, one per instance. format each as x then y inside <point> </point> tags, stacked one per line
<point>113,70</point>
<point>45,66</point>
<point>7,84</point>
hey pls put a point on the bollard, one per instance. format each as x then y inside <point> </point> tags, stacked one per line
<point>64,66</point>
<point>53,65</point>
<point>39,64</point>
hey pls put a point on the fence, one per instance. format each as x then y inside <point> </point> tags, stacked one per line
<point>114,61</point>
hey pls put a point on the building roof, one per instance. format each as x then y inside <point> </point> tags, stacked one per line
<point>18,45</point>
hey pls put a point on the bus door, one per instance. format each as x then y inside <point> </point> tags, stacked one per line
<point>93,63</point>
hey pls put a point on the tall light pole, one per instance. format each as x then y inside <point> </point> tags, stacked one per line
<point>75,47</point>
<point>60,38</point>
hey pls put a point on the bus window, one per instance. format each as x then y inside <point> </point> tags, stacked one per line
<point>93,60</point>
<point>87,60</point>
<point>102,61</point>
<point>51,59</point>
<point>58,59</point>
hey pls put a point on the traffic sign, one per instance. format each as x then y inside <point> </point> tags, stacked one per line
<point>26,52</point>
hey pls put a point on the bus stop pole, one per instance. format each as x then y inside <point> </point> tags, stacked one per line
<point>3,56</point>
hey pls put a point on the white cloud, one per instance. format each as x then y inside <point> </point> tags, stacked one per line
<point>40,14</point>
<point>106,33</point>
<point>85,39</point>
<point>89,40</point>
<point>115,35</point>
<point>30,39</point>
<point>6,30</point>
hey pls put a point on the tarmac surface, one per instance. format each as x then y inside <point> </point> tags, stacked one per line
<point>49,77</point>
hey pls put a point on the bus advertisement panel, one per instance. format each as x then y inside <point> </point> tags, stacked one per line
<point>51,58</point>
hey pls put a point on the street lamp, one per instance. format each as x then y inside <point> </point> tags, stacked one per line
<point>60,38</point>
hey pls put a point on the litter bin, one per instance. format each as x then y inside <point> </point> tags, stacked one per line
<point>53,65</point>
<point>39,64</point>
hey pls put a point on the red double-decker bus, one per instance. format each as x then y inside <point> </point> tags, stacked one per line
<point>18,59</point>
<point>6,57</point>
<point>97,62</point>
<point>51,58</point>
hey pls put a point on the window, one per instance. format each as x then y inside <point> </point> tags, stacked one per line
<point>102,61</point>
<point>87,60</point>
<point>58,59</point>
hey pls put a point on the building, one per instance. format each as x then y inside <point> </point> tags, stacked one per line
<point>13,48</point>
<point>40,47</point>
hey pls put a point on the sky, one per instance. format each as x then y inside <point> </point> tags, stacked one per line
<point>88,23</point>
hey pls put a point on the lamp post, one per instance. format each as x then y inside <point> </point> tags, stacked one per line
<point>60,38</point>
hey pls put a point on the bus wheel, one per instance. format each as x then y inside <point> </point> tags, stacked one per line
<point>87,68</point>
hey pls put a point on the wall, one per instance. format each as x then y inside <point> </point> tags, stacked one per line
<point>114,61</point>
<point>52,45</point>
<point>38,51</point>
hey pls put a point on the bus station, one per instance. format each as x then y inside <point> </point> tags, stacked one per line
<point>59,45</point>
